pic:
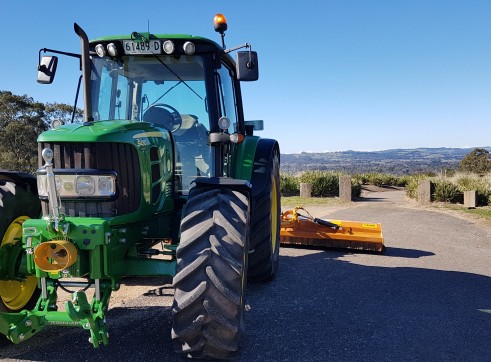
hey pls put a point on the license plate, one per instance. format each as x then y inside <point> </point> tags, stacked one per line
<point>144,47</point>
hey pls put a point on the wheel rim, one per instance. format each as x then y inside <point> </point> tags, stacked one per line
<point>16,294</point>
<point>274,216</point>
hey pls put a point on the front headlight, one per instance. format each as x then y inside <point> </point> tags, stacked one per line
<point>86,184</point>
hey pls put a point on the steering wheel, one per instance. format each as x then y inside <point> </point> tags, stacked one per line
<point>176,116</point>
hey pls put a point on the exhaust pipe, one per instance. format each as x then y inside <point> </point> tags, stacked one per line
<point>86,71</point>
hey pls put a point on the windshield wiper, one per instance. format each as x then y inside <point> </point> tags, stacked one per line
<point>163,95</point>
<point>177,76</point>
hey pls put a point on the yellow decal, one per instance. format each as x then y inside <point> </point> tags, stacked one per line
<point>149,134</point>
<point>370,226</point>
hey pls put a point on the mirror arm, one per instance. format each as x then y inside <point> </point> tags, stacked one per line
<point>245,45</point>
<point>46,50</point>
<point>250,63</point>
<point>43,68</point>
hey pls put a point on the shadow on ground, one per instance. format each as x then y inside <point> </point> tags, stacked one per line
<point>318,308</point>
<point>328,309</point>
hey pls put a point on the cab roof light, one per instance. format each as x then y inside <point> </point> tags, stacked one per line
<point>100,50</point>
<point>169,47</point>
<point>189,48</point>
<point>112,50</point>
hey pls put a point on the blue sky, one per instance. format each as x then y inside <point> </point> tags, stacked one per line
<point>334,75</point>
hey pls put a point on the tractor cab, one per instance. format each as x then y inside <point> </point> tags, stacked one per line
<point>170,91</point>
<point>186,85</point>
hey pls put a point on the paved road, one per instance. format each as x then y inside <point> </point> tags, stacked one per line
<point>428,298</point>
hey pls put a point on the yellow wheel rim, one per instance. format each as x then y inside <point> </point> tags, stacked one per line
<point>274,216</point>
<point>16,294</point>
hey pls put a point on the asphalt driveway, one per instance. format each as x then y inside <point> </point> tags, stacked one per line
<point>427,298</point>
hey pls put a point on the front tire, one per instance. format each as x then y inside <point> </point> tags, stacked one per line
<point>208,308</point>
<point>16,206</point>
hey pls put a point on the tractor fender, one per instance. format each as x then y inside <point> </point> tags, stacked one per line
<point>242,186</point>
<point>23,179</point>
<point>260,175</point>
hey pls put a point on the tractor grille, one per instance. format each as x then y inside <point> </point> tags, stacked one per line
<point>118,157</point>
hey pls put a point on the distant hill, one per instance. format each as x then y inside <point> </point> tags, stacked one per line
<point>397,161</point>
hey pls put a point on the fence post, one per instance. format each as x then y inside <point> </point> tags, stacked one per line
<point>424,191</point>
<point>470,199</point>
<point>345,188</point>
<point>305,189</point>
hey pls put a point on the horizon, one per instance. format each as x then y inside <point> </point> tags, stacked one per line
<point>391,149</point>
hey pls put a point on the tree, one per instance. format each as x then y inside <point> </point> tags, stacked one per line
<point>477,161</point>
<point>21,121</point>
<point>21,108</point>
<point>62,112</point>
<point>18,147</point>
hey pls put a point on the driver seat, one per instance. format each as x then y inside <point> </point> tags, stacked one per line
<point>159,116</point>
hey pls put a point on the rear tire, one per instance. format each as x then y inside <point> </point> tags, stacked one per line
<point>208,308</point>
<point>16,205</point>
<point>266,211</point>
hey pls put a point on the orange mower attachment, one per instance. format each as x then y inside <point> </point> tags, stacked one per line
<point>297,229</point>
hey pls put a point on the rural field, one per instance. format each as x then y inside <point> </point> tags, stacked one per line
<point>427,298</point>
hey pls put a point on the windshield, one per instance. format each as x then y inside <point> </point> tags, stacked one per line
<point>126,88</point>
<point>167,91</point>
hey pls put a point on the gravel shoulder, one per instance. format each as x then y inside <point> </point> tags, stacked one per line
<point>427,298</point>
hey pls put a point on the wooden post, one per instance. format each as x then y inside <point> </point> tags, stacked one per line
<point>345,188</point>
<point>470,199</point>
<point>424,191</point>
<point>305,189</point>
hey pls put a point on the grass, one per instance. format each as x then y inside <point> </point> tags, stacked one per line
<point>482,212</point>
<point>292,201</point>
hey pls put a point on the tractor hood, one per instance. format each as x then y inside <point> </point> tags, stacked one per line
<point>103,131</point>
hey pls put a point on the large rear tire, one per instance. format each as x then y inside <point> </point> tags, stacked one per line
<point>266,211</point>
<point>208,308</point>
<point>17,204</point>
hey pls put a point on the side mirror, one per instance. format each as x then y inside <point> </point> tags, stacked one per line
<point>47,69</point>
<point>247,66</point>
<point>252,126</point>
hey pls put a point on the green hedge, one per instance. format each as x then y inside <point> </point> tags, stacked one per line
<point>452,189</point>
<point>324,184</point>
<point>469,182</point>
<point>381,179</point>
<point>446,191</point>
<point>289,185</point>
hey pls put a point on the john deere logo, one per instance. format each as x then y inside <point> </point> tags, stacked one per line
<point>142,142</point>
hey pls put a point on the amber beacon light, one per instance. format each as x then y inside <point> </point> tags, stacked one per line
<point>220,23</point>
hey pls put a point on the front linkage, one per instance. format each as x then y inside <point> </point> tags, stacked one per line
<point>59,254</point>
<point>78,312</point>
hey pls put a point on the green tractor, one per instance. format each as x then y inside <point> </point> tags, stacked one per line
<point>162,178</point>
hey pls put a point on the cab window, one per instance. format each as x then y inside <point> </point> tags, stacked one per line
<point>228,104</point>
